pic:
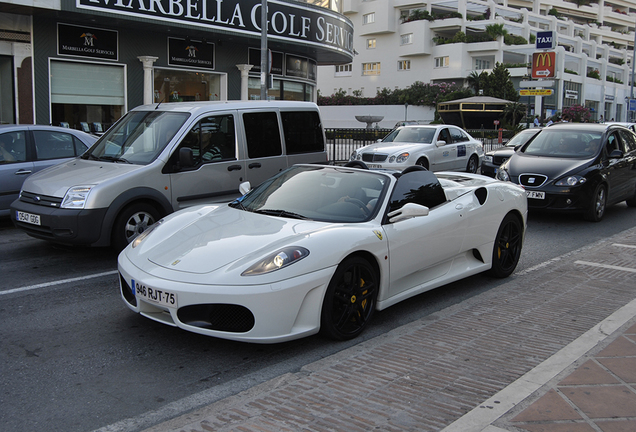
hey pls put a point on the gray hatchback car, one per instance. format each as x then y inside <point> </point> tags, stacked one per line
<point>26,149</point>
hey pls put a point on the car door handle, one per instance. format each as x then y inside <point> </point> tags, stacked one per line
<point>22,172</point>
<point>254,165</point>
<point>234,168</point>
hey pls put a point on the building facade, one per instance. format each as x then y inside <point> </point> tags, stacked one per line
<point>398,42</point>
<point>85,63</point>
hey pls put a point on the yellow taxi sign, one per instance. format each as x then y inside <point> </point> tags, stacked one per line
<point>535,92</point>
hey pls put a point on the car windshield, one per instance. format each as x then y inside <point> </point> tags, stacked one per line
<point>411,135</point>
<point>521,138</point>
<point>327,194</point>
<point>564,144</point>
<point>138,138</point>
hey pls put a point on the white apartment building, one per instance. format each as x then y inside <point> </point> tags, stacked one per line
<point>392,53</point>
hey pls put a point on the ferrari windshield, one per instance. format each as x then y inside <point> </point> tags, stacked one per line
<point>411,135</point>
<point>564,144</point>
<point>329,194</point>
<point>138,138</point>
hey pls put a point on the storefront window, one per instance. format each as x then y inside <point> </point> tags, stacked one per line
<point>282,90</point>
<point>185,86</point>
<point>86,96</point>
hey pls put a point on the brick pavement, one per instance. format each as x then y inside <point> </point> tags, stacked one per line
<point>549,350</point>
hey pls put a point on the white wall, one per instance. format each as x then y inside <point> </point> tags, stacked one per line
<point>345,116</point>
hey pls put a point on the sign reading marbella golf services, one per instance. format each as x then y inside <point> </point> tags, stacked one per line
<point>287,20</point>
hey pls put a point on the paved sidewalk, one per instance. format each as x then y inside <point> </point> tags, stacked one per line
<point>552,349</point>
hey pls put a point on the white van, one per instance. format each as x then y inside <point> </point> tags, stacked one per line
<point>163,157</point>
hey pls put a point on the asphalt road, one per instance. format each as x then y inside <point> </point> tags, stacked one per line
<point>74,358</point>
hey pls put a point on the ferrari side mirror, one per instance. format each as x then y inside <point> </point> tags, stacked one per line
<point>408,211</point>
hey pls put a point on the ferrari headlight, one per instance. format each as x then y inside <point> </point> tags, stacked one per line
<point>75,197</point>
<point>503,175</point>
<point>488,158</point>
<point>353,156</point>
<point>137,240</point>
<point>574,180</point>
<point>278,260</point>
<point>401,158</point>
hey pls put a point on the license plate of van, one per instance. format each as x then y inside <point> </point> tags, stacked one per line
<point>29,218</point>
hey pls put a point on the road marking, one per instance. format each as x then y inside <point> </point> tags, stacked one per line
<point>60,282</point>
<point>624,245</point>
<point>607,266</point>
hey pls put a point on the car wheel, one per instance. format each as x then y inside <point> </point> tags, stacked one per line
<point>131,222</point>
<point>350,299</point>
<point>423,162</point>
<point>507,248</point>
<point>473,163</point>
<point>596,210</point>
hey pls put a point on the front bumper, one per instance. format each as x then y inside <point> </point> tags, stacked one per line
<point>65,226</point>
<point>562,199</point>
<point>266,313</point>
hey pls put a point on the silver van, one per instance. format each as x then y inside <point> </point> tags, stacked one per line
<point>160,158</point>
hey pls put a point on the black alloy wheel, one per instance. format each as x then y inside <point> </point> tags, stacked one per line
<point>596,209</point>
<point>507,248</point>
<point>350,299</point>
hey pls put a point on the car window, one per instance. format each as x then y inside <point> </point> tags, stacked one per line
<point>458,135</point>
<point>564,143</point>
<point>419,187</point>
<point>423,135</point>
<point>262,134</point>
<point>303,132</point>
<point>444,135</point>
<point>211,139</point>
<point>53,145</point>
<point>628,140</point>
<point>13,147</point>
<point>612,143</point>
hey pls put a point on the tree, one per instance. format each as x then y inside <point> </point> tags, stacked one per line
<point>499,85</point>
<point>477,80</point>
<point>577,113</point>
<point>513,113</point>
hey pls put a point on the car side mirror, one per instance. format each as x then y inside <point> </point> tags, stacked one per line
<point>409,210</point>
<point>616,154</point>
<point>245,187</point>
<point>517,147</point>
<point>440,143</point>
<point>186,158</point>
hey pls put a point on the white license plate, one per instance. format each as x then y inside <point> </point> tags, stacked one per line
<point>29,218</point>
<point>153,295</point>
<point>535,194</point>
<point>372,166</point>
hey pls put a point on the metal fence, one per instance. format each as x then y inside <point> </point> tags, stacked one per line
<point>342,142</point>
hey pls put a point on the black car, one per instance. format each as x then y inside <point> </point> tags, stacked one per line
<point>493,159</point>
<point>576,167</point>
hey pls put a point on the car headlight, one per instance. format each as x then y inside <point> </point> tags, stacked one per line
<point>137,240</point>
<point>278,260</point>
<point>503,175</point>
<point>75,197</point>
<point>353,156</point>
<point>488,158</point>
<point>401,158</point>
<point>574,180</point>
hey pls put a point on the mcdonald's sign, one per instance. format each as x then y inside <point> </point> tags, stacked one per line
<point>543,64</point>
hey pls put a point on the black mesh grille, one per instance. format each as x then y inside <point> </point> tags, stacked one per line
<point>220,317</point>
<point>374,157</point>
<point>126,291</point>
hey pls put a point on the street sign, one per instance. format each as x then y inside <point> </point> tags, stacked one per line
<point>545,40</point>
<point>543,64</point>
<point>632,105</point>
<point>536,92</point>
<point>535,84</point>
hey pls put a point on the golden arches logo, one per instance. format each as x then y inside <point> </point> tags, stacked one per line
<point>543,58</point>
